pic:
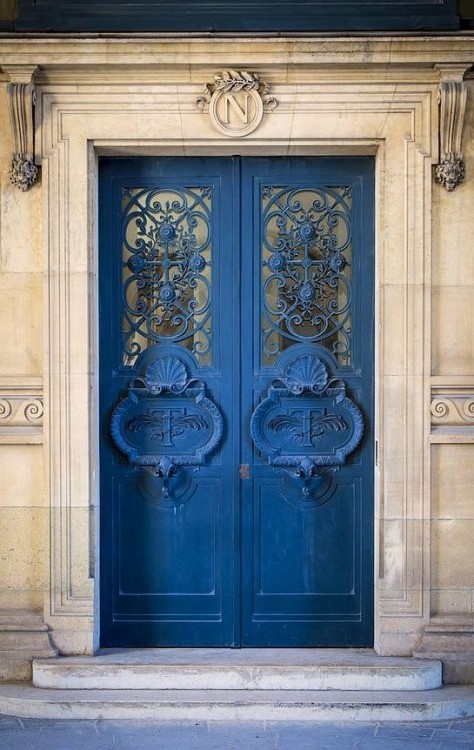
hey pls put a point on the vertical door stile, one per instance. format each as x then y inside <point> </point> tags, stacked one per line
<point>234,261</point>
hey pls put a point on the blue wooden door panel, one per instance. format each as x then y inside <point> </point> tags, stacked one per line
<point>192,249</point>
<point>307,560</point>
<point>167,554</point>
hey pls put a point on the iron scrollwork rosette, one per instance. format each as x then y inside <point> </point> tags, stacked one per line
<point>167,268</point>
<point>307,281</point>
<point>306,426</point>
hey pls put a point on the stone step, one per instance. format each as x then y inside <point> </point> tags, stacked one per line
<point>248,669</point>
<point>458,667</point>
<point>237,705</point>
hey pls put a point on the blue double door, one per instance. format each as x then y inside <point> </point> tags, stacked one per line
<point>236,401</point>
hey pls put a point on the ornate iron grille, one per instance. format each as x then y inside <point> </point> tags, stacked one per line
<point>306,269</point>
<point>166,273</point>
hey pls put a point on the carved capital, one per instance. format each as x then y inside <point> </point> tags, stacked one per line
<point>452,96</point>
<point>21,101</point>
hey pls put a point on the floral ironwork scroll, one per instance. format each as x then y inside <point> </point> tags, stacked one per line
<point>167,269</point>
<point>307,280</point>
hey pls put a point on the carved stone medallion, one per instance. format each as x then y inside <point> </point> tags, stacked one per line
<point>236,102</point>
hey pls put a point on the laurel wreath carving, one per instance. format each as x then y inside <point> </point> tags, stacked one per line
<point>236,80</point>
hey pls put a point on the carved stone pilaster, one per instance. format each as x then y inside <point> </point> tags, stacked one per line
<point>21,101</point>
<point>452,97</point>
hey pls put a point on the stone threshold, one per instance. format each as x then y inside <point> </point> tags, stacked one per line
<point>237,669</point>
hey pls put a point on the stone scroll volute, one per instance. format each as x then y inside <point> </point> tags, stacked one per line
<point>452,97</point>
<point>21,97</point>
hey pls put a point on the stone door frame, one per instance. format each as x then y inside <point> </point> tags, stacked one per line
<point>391,113</point>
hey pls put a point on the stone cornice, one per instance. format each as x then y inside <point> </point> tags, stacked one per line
<point>215,51</point>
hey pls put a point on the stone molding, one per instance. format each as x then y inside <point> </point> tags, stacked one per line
<point>450,639</point>
<point>21,411</point>
<point>156,51</point>
<point>21,97</point>
<point>452,98</point>
<point>23,637</point>
<point>452,410</point>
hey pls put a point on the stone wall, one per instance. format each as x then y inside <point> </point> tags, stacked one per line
<point>354,100</point>
<point>452,408</point>
<point>24,506</point>
<point>23,498</point>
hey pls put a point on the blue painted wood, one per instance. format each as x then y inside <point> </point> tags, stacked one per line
<point>307,569</point>
<point>167,539</point>
<point>244,16</point>
<point>283,558</point>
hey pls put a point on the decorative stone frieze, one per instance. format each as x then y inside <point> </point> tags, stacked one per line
<point>21,100</point>
<point>21,413</point>
<point>452,97</point>
<point>454,409</point>
<point>236,102</point>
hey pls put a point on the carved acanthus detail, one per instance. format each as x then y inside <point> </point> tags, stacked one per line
<point>452,97</point>
<point>21,101</point>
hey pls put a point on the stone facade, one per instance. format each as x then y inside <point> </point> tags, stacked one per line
<point>118,96</point>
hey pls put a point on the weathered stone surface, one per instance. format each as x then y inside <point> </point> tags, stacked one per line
<point>237,705</point>
<point>247,669</point>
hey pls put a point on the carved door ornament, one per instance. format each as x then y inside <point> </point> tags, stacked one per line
<point>166,422</point>
<point>236,102</point>
<point>307,426</point>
